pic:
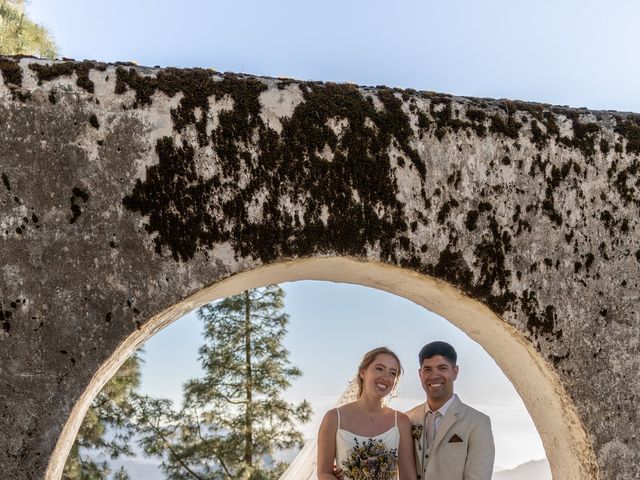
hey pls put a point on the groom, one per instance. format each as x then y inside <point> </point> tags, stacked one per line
<point>452,441</point>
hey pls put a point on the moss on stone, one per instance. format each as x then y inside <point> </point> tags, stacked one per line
<point>629,128</point>
<point>509,127</point>
<point>51,71</point>
<point>423,121</point>
<point>12,76</point>
<point>93,121</point>
<point>5,181</point>
<point>76,210</point>
<point>484,207</point>
<point>471,220</point>
<point>446,120</point>
<point>476,115</point>
<point>584,136</point>
<point>396,123</point>
<point>197,85</point>
<point>540,321</point>
<point>11,72</point>
<point>589,258</point>
<point>336,193</point>
<point>453,268</point>
<point>445,210</point>
<point>548,207</point>
<point>493,281</point>
<point>454,179</point>
<point>627,181</point>
<point>289,164</point>
<point>540,138</point>
<point>144,86</point>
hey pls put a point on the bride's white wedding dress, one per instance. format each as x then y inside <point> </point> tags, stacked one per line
<point>304,466</point>
<point>346,440</point>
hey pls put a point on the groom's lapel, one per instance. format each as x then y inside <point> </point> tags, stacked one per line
<point>418,418</point>
<point>448,421</point>
<point>423,436</point>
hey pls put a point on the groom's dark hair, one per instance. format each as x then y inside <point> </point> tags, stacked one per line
<point>438,348</point>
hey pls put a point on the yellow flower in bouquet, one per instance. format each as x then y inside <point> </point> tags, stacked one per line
<point>371,460</point>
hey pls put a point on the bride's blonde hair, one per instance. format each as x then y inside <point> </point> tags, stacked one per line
<point>368,359</point>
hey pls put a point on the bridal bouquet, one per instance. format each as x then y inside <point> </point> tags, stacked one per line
<point>371,460</point>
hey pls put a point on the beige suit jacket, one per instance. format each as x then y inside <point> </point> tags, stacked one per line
<point>463,448</point>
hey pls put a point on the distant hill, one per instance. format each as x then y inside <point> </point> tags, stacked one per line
<point>141,468</point>
<point>533,470</point>
<point>144,468</point>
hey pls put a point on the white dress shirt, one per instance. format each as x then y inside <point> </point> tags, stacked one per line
<point>442,411</point>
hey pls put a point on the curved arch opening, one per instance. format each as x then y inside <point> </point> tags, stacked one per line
<point>565,441</point>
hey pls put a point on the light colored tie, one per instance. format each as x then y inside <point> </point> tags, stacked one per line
<point>431,427</point>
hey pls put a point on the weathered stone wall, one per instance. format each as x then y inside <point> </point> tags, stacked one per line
<point>125,190</point>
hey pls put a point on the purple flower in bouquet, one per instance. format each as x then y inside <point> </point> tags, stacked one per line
<point>371,460</point>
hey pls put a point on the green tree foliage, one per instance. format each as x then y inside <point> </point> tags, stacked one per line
<point>233,418</point>
<point>21,36</point>
<point>107,427</point>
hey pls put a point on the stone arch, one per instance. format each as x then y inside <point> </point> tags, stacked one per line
<point>126,190</point>
<point>566,443</point>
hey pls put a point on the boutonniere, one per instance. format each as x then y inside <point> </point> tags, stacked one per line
<point>416,430</point>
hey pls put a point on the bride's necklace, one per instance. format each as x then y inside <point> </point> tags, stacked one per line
<point>369,417</point>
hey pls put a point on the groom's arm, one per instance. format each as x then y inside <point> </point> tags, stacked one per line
<point>481,452</point>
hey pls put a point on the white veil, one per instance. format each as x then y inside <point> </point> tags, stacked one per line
<point>303,466</point>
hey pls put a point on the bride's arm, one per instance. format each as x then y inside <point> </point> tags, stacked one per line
<point>406,461</point>
<point>327,445</point>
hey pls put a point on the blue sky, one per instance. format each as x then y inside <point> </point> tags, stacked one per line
<point>573,52</point>
<point>570,52</point>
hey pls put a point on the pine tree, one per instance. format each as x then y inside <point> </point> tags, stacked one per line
<point>107,427</point>
<point>21,36</point>
<point>234,419</point>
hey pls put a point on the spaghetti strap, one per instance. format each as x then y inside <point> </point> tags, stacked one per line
<point>338,410</point>
<point>396,418</point>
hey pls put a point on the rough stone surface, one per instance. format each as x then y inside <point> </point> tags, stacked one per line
<point>125,190</point>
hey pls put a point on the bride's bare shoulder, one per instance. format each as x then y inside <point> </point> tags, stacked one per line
<point>345,411</point>
<point>330,420</point>
<point>333,413</point>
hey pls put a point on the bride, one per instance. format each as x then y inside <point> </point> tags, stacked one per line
<point>367,417</point>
